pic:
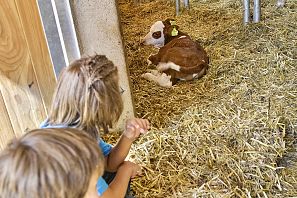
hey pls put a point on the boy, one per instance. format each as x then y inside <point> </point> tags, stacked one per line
<point>51,163</point>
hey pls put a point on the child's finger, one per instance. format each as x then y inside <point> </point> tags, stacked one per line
<point>142,131</point>
<point>139,172</point>
<point>143,123</point>
<point>131,121</point>
<point>147,123</point>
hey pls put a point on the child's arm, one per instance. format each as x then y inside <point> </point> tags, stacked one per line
<point>118,187</point>
<point>134,127</point>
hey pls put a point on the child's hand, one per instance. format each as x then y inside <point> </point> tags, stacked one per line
<point>134,127</point>
<point>134,168</point>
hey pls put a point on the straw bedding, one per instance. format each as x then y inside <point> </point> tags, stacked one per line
<point>233,132</point>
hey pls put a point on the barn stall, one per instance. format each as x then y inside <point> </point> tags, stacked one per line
<point>231,133</point>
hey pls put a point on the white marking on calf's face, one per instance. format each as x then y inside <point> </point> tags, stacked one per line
<point>156,42</point>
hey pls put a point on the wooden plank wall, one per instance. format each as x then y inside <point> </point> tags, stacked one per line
<point>27,78</point>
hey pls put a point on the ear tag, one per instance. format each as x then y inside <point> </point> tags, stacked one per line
<point>172,23</point>
<point>174,32</point>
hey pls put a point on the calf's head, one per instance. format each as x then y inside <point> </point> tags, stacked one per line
<point>160,33</point>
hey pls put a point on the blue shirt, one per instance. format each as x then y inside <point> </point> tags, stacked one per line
<point>105,147</point>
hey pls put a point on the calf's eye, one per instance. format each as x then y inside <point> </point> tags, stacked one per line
<point>157,35</point>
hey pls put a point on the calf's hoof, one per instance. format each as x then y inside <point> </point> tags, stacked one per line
<point>165,81</point>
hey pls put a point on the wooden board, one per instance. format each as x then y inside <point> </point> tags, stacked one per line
<point>18,84</point>
<point>6,130</point>
<point>38,49</point>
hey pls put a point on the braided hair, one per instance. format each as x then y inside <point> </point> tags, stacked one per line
<point>87,96</point>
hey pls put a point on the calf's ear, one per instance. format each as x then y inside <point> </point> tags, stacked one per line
<point>169,22</point>
<point>172,22</point>
<point>171,30</point>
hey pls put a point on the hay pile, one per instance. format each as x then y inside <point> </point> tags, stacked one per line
<point>233,132</point>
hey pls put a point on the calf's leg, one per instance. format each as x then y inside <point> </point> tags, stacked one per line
<point>162,80</point>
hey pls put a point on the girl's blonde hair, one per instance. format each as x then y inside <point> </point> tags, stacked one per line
<point>87,96</point>
<point>49,163</point>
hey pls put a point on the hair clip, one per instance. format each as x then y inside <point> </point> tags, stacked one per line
<point>122,90</point>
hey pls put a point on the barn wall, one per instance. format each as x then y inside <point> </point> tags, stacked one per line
<point>27,78</point>
<point>98,31</point>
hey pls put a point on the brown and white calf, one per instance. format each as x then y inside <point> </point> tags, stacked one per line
<point>178,58</point>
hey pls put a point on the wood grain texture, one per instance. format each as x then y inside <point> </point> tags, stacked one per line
<point>6,130</point>
<point>18,83</point>
<point>36,41</point>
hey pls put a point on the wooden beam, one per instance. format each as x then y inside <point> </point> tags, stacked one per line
<point>18,83</point>
<point>38,49</point>
<point>6,130</point>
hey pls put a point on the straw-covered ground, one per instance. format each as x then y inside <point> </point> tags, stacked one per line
<point>232,133</point>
